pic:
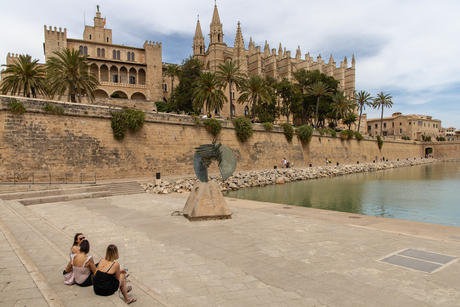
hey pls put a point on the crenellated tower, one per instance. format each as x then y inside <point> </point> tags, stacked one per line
<point>55,40</point>
<point>153,60</point>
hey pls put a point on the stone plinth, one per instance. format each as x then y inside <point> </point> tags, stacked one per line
<point>206,202</point>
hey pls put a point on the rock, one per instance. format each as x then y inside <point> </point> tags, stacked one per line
<point>279,180</point>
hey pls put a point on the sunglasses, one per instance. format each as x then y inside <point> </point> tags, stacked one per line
<point>82,238</point>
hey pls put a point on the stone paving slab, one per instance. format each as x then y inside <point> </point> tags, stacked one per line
<point>265,255</point>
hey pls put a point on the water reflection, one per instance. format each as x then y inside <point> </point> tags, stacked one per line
<point>425,193</point>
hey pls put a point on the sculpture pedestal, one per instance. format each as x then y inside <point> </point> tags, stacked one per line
<point>206,202</point>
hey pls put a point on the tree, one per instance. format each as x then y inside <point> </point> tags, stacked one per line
<point>208,92</point>
<point>68,72</point>
<point>349,119</point>
<point>319,89</point>
<point>228,72</point>
<point>172,71</point>
<point>25,75</point>
<point>301,76</point>
<point>252,90</point>
<point>290,97</point>
<point>182,96</point>
<point>341,106</point>
<point>363,99</point>
<point>382,100</point>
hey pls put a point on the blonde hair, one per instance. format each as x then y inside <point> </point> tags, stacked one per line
<point>112,253</point>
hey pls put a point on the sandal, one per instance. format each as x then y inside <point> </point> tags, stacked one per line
<point>131,301</point>
<point>129,289</point>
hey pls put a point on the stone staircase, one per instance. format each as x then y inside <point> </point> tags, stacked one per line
<point>68,194</point>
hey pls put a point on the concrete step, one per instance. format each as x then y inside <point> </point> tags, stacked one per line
<point>125,188</point>
<point>60,198</point>
<point>54,192</point>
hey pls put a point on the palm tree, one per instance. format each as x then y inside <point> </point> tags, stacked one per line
<point>382,100</point>
<point>68,72</point>
<point>341,105</point>
<point>349,119</point>
<point>209,92</point>
<point>252,90</point>
<point>172,70</point>
<point>230,73</point>
<point>24,75</point>
<point>363,99</point>
<point>319,89</point>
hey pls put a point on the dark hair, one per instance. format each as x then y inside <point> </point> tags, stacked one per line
<point>75,238</point>
<point>112,253</point>
<point>84,246</point>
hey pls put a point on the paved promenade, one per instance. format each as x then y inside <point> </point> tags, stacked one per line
<point>266,255</point>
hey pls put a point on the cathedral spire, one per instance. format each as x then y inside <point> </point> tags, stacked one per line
<point>198,40</point>
<point>239,50</point>
<point>239,42</point>
<point>216,33</point>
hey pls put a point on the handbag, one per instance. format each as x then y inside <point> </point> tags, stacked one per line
<point>69,278</point>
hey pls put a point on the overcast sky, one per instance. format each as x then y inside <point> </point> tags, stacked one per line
<point>408,49</point>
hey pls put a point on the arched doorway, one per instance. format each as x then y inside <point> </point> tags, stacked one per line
<point>429,152</point>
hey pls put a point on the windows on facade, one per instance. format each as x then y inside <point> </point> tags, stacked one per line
<point>90,36</point>
<point>114,55</point>
<point>376,126</point>
<point>400,124</point>
<point>233,110</point>
<point>246,110</point>
<point>393,124</point>
<point>107,39</point>
<point>115,78</point>
<point>216,112</point>
<point>103,52</point>
<point>118,55</point>
<point>132,80</point>
<point>400,130</point>
<point>99,52</point>
<point>369,128</point>
<point>419,123</point>
<point>428,124</point>
<point>129,56</point>
<point>384,125</point>
<point>81,50</point>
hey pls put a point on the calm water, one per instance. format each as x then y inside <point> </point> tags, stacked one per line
<point>425,193</point>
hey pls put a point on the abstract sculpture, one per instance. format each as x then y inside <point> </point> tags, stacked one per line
<point>206,200</point>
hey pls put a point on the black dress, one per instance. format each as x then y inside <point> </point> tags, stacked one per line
<point>105,284</point>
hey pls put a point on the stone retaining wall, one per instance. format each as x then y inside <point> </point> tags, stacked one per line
<point>81,140</point>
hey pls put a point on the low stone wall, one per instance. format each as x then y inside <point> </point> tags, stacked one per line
<point>279,176</point>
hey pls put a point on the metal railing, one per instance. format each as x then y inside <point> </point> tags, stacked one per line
<point>44,177</point>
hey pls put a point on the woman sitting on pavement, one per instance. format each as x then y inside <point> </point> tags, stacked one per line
<point>76,244</point>
<point>109,277</point>
<point>82,265</point>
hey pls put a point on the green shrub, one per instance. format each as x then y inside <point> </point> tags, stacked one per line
<point>48,108</point>
<point>343,135</point>
<point>268,126</point>
<point>332,132</point>
<point>440,139</point>
<point>16,107</point>
<point>213,125</point>
<point>119,125</point>
<point>379,141</point>
<point>358,136</point>
<point>304,133</point>
<point>405,138</point>
<point>161,106</point>
<point>129,119</point>
<point>243,128</point>
<point>426,138</point>
<point>350,134</point>
<point>55,110</point>
<point>135,119</point>
<point>288,131</point>
<point>321,131</point>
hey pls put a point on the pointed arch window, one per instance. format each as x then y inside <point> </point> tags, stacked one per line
<point>98,52</point>
<point>103,52</point>
<point>85,50</point>
<point>114,55</point>
<point>246,110</point>
<point>81,50</point>
<point>129,56</point>
<point>118,55</point>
